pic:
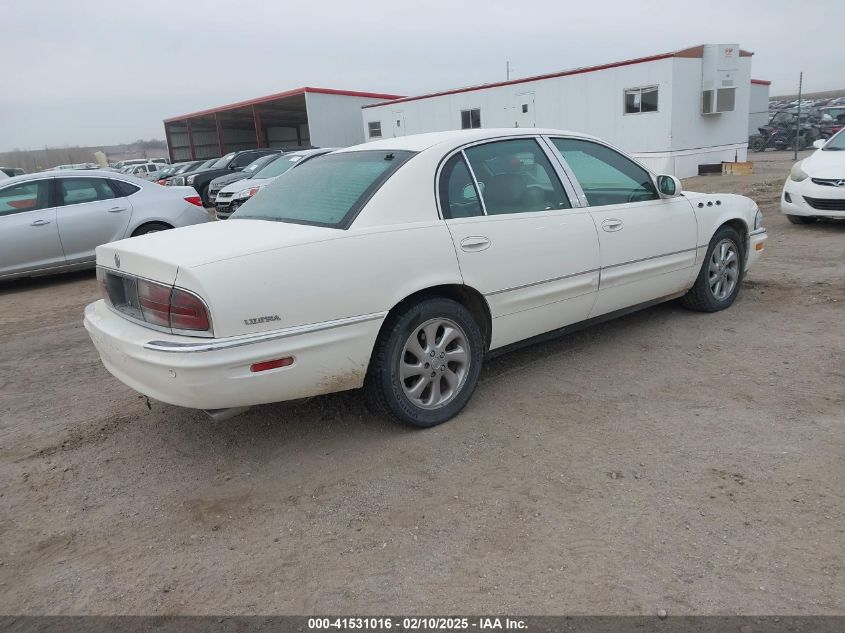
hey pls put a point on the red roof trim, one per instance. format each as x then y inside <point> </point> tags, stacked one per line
<point>282,95</point>
<point>693,51</point>
<point>761,82</point>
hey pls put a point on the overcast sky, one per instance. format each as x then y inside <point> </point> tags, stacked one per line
<point>101,72</point>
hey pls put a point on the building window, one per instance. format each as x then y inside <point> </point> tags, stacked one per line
<point>638,100</point>
<point>374,128</point>
<point>470,118</point>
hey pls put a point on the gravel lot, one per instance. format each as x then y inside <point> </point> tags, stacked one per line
<point>666,460</point>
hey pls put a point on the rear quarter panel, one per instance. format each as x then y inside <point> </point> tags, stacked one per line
<point>360,272</point>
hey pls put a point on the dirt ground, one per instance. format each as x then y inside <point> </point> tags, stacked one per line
<point>666,460</point>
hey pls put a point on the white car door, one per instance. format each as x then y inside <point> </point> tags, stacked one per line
<point>29,236</point>
<point>648,243</point>
<point>518,239</point>
<point>91,212</point>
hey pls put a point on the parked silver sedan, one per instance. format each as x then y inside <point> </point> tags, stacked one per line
<point>53,221</point>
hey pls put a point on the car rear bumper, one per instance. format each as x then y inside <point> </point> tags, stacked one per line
<point>215,373</point>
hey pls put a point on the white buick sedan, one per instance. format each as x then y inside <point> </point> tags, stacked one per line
<point>399,265</point>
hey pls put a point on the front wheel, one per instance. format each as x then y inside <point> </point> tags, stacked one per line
<point>801,219</point>
<point>720,277</point>
<point>426,363</point>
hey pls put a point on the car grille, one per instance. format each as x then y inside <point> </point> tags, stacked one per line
<point>829,182</point>
<point>826,204</point>
<point>225,195</point>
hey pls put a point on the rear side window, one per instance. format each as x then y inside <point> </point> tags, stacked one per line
<point>325,192</point>
<point>25,196</point>
<point>123,189</point>
<point>458,195</point>
<point>515,176</point>
<point>82,190</point>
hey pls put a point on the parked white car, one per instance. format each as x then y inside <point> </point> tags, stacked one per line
<point>398,265</point>
<point>53,221</point>
<point>815,188</point>
<point>232,196</point>
<point>144,170</point>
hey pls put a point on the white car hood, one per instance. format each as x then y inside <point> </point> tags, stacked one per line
<point>160,256</point>
<point>825,164</point>
<point>247,183</point>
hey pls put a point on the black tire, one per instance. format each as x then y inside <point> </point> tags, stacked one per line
<point>204,197</point>
<point>801,219</point>
<point>701,296</point>
<point>151,227</point>
<point>383,386</point>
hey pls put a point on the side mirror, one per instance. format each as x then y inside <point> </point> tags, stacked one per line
<point>668,186</point>
<point>819,143</point>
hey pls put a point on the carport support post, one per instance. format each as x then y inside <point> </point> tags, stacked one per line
<point>190,139</point>
<point>256,121</point>
<point>220,145</point>
<point>169,144</point>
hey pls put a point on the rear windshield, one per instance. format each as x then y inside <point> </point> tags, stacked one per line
<point>325,192</point>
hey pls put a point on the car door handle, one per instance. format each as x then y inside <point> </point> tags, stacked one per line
<point>40,223</point>
<point>611,224</point>
<point>475,243</point>
<point>117,209</point>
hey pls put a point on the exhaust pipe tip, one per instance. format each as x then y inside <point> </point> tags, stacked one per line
<point>219,415</point>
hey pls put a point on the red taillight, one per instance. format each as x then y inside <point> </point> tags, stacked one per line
<point>170,307</point>
<point>161,182</point>
<point>194,200</point>
<point>154,300</point>
<point>271,364</point>
<point>187,312</point>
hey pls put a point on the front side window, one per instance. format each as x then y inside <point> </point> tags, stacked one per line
<point>458,195</point>
<point>605,175</point>
<point>81,190</point>
<point>470,119</point>
<point>326,192</point>
<point>25,196</point>
<point>374,129</point>
<point>638,100</point>
<point>515,176</point>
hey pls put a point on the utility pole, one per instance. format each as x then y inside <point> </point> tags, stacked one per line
<point>798,119</point>
<point>508,70</point>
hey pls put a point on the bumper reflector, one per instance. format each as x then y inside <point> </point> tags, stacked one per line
<point>271,364</point>
<point>759,246</point>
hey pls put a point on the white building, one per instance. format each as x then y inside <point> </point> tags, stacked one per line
<point>673,111</point>
<point>758,105</point>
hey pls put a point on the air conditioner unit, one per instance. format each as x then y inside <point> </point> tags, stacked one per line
<point>719,67</point>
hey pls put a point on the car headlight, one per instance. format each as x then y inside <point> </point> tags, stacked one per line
<point>176,181</point>
<point>797,174</point>
<point>758,220</point>
<point>191,179</point>
<point>246,193</point>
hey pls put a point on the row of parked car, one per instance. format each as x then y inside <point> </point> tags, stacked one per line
<point>227,182</point>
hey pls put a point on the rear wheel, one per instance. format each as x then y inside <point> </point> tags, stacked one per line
<point>720,277</point>
<point>152,227</point>
<point>204,197</point>
<point>801,219</point>
<point>426,363</point>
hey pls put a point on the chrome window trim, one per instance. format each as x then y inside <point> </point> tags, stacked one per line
<point>259,337</point>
